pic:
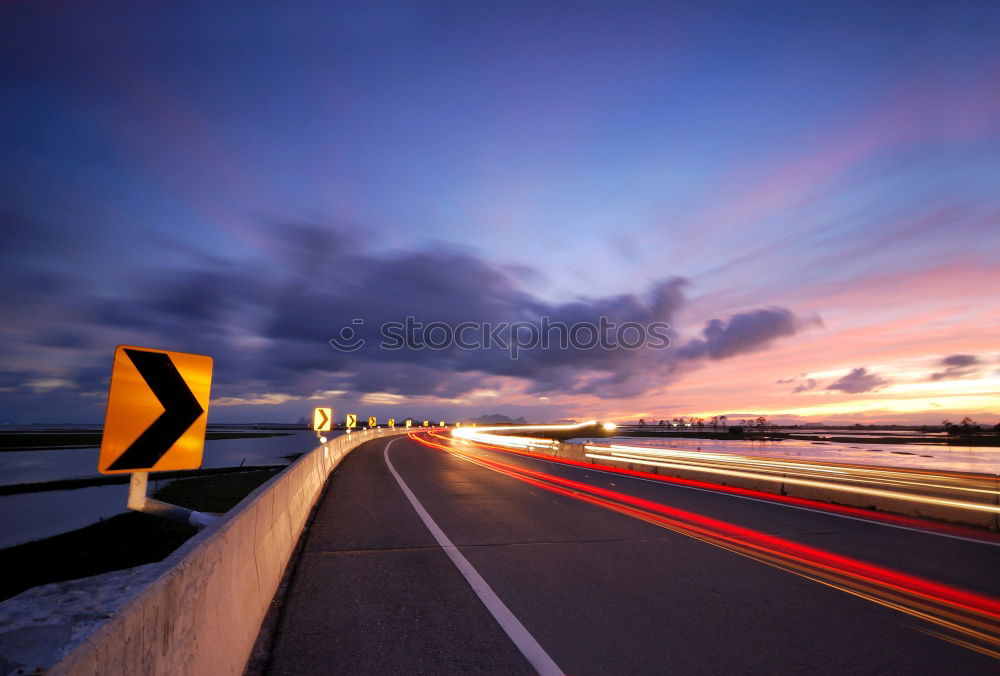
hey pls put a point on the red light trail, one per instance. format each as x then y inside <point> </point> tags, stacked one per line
<point>972,620</point>
<point>897,520</point>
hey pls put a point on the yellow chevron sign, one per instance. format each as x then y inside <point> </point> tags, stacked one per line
<point>322,419</point>
<point>157,411</point>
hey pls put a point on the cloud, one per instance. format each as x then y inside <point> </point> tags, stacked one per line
<point>267,320</point>
<point>857,381</point>
<point>956,366</point>
<point>810,384</point>
<point>960,360</point>
<point>805,384</point>
<point>744,332</point>
<point>40,385</point>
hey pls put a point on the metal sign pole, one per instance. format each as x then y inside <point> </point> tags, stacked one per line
<point>140,502</point>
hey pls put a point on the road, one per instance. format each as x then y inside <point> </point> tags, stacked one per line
<point>557,568</point>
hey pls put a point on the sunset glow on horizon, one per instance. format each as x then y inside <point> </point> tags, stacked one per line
<point>810,200</point>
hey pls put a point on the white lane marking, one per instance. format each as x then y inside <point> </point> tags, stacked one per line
<point>524,641</point>
<point>763,500</point>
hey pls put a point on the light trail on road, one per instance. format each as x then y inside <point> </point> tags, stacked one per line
<point>811,474</point>
<point>963,617</point>
<point>940,528</point>
<point>951,490</point>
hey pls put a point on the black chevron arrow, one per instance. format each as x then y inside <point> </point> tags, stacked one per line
<point>325,418</point>
<point>180,410</point>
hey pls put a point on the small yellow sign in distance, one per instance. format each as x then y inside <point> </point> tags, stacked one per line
<point>425,423</point>
<point>322,419</point>
<point>442,424</point>
<point>157,411</point>
<point>458,424</point>
<point>351,421</point>
<point>391,422</point>
<point>409,423</point>
<point>372,422</point>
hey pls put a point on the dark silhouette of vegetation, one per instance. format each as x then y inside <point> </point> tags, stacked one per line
<point>966,433</point>
<point>966,430</point>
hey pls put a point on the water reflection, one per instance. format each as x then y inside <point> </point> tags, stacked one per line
<point>31,516</point>
<point>43,465</point>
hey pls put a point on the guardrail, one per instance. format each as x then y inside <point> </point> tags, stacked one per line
<point>196,612</point>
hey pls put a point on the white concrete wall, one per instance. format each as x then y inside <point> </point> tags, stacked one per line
<point>202,615</point>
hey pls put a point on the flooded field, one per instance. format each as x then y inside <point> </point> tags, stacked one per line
<point>74,463</point>
<point>30,516</point>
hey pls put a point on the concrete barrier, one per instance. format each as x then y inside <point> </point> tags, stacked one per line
<point>197,612</point>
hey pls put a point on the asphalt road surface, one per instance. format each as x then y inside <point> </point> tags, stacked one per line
<point>614,575</point>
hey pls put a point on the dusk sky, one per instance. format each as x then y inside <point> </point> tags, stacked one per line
<point>808,193</point>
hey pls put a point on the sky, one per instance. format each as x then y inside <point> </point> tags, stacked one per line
<point>807,193</point>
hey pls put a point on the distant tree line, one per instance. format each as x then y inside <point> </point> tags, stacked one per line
<point>753,425</point>
<point>967,429</point>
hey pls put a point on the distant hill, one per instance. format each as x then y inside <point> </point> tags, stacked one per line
<point>496,419</point>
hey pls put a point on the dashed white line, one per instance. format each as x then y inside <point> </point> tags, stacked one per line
<point>524,641</point>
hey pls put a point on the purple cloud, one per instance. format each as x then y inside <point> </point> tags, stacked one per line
<point>744,332</point>
<point>956,366</point>
<point>857,381</point>
<point>267,321</point>
<point>810,384</point>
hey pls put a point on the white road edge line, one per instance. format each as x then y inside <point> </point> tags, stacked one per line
<point>875,522</point>
<point>524,641</point>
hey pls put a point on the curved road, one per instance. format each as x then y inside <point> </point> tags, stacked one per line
<point>560,568</point>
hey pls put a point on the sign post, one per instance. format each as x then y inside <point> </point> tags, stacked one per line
<point>156,419</point>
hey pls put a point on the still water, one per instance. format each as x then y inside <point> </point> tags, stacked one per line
<point>31,516</point>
